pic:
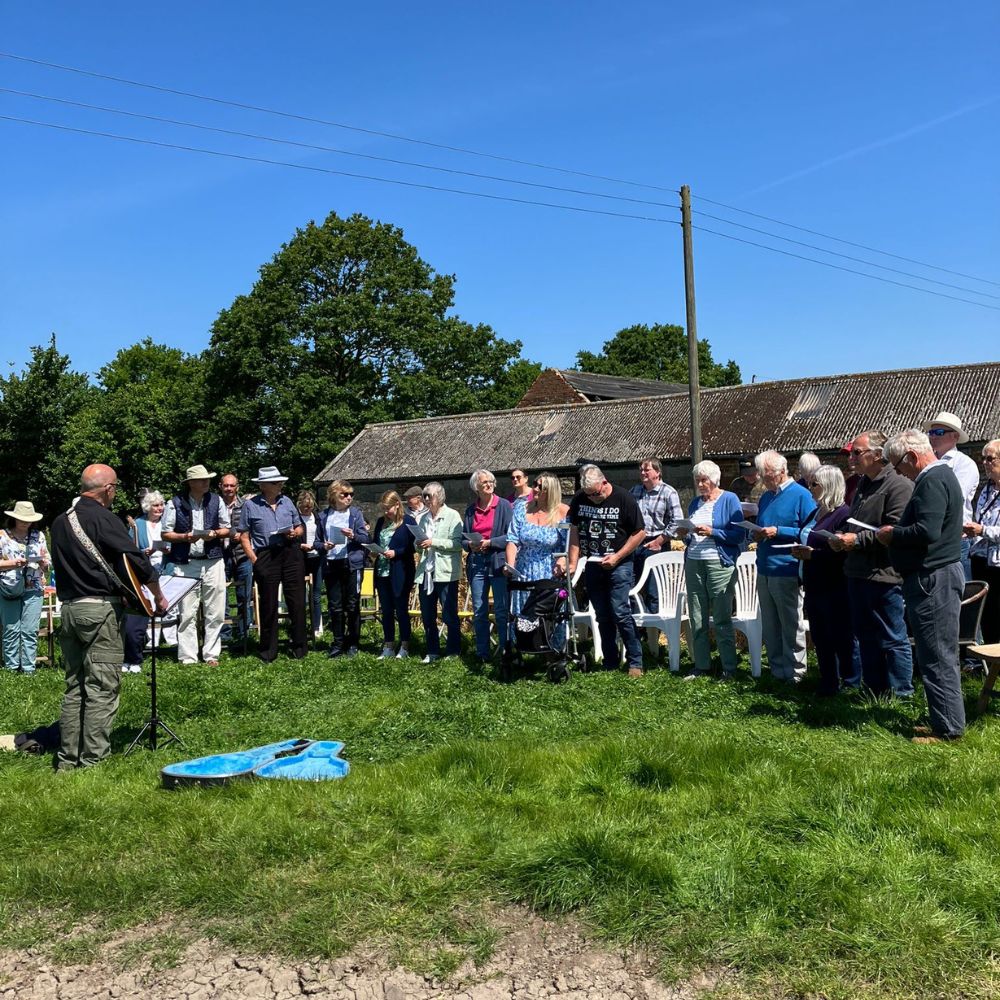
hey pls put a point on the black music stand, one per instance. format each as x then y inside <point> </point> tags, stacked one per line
<point>155,723</point>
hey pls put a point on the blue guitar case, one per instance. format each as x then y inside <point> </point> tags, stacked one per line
<point>300,759</point>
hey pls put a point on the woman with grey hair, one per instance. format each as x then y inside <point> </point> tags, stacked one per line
<point>484,537</point>
<point>713,545</point>
<point>147,534</point>
<point>827,602</point>
<point>438,572</point>
<point>808,464</point>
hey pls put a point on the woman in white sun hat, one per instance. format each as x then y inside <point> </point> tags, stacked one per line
<point>24,568</point>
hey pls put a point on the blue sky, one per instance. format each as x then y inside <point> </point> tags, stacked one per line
<point>849,118</point>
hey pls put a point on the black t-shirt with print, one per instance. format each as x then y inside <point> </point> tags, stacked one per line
<point>604,526</point>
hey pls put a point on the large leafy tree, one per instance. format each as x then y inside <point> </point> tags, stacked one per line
<point>36,408</point>
<point>657,352</point>
<point>145,420</point>
<point>346,325</point>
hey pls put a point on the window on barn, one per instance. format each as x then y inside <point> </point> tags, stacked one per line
<point>553,425</point>
<point>811,401</point>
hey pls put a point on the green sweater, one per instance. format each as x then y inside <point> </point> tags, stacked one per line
<point>929,533</point>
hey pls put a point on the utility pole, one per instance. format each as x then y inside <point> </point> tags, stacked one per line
<point>694,394</point>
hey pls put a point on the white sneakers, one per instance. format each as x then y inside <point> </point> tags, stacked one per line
<point>430,658</point>
<point>131,668</point>
<point>387,653</point>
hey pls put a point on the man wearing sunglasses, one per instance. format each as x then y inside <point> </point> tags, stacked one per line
<point>946,434</point>
<point>340,535</point>
<point>607,527</point>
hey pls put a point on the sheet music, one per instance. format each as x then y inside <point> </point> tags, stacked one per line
<point>174,588</point>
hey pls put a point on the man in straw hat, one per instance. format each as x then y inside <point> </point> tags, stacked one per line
<point>946,434</point>
<point>271,531</point>
<point>92,611</point>
<point>195,522</point>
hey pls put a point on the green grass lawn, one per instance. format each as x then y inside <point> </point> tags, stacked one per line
<point>806,844</point>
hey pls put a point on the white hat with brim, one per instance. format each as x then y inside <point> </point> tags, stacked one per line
<point>269,474</point>
<point>198,472</point>
<point>25,511</point>
<point>949,420</point>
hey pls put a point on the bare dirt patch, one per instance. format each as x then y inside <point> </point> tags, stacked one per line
<point>533,959</point>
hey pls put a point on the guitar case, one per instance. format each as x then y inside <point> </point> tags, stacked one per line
<point>295,759</point>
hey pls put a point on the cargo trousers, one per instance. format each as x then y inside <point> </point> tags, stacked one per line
<point>90,637</point>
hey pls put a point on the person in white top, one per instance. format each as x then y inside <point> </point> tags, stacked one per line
<point>195,522</point>
<point>946,434</point>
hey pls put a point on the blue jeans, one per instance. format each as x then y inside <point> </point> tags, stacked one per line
<point>877,617</point>
<point>933,600</point>
<point>242,575</point>
<point>314,573</point>
<point>20,617</point>
<point>608,593</point>
<point>445,594</point>
<point>649,594</point>
<point>481,582</point>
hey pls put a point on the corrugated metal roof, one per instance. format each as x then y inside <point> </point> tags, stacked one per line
<point>618,387</point>
<point>735,420</point>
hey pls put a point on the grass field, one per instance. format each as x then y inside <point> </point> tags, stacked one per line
<point>806,844</point>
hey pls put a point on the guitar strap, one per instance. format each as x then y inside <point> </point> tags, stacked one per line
<point>84,539</point>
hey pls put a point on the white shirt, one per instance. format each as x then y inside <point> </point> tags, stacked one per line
<point>169,519</point>
<point>967,473</point>
<point>703,547</point>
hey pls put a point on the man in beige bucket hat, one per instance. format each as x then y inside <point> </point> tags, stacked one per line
<point>946,433</point>
<point>195,522</point>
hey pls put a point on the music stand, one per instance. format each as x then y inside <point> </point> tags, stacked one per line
<point>180,587</point>
<point>155,723</point>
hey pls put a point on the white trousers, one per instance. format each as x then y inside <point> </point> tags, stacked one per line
<point>211,594</point>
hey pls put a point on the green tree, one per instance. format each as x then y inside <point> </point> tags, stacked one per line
<point>145,420</point>
<point>344,326</point>
<point>36,408</point>
<point>657,352</point>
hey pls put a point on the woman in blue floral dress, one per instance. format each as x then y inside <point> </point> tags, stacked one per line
<point>536,545</point>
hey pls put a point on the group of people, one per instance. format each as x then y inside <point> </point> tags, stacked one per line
<point>855,558</point>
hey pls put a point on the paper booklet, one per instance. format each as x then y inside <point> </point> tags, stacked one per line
<point>823,533</point>
<point>199,533</point>
<point>160,546</point>
<point>686,523</point>
<point>861,525</point>
<point>418,532</point>
<point>750,508</point>
<point>748,525</point>
<point>335,535</point>
<point>373,547</point>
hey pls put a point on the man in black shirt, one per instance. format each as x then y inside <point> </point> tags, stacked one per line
<point>92,610</point>
<point>925,548</point>
<point>607,527</point>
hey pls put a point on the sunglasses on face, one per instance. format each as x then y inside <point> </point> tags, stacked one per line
<point>539,486</point>
<point>426,496</point>
<point>516,478</point>
<point>345,494</point>
<point>936,432</point>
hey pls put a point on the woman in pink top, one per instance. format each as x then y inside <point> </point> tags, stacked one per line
<point>484,537</point>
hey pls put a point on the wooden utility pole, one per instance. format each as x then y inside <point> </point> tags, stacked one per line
<point>692,327</point>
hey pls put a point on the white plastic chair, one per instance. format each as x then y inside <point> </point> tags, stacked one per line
<point>585,619</point>
<point>667,570</point>
<point>747,616</point>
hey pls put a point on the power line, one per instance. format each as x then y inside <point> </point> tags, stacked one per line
<point>472,152</point>
<point>857,260</point>
<point>473,194</point>
<point>331,149</point>
<point>837,239</point>
<point>338,173</point>
<point>333,124</point>
<point>849,270</point>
